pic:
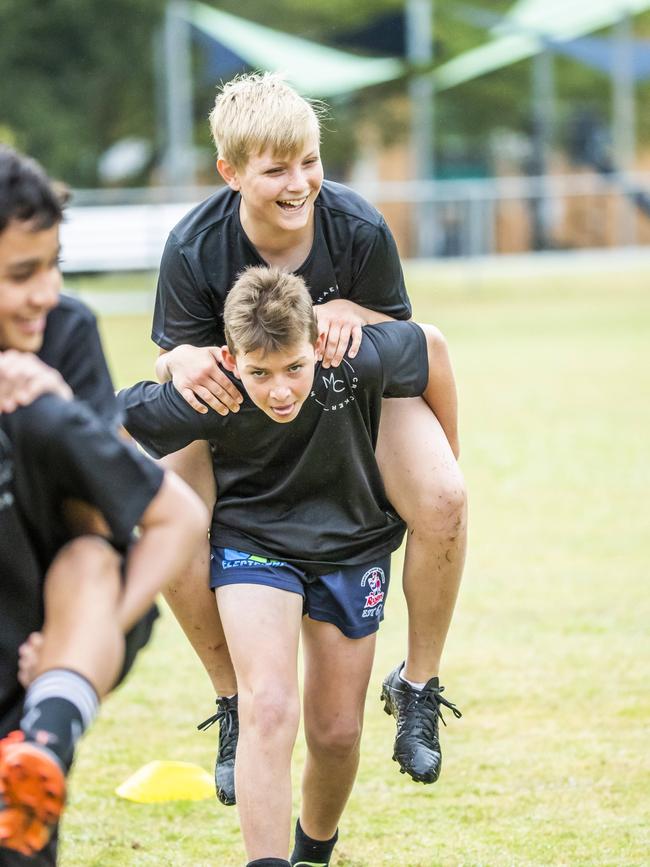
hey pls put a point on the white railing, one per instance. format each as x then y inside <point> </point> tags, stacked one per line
<point>123,230</point>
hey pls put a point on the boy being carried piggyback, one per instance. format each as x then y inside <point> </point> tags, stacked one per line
<point>302,534</point>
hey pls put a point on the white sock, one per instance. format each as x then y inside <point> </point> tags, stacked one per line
<point>418,686</point>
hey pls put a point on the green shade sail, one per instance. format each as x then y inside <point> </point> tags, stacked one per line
<point>524,28</point>
<point>313,69</point>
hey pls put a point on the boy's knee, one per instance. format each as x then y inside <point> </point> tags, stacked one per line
<point>337,738</point>
<point>89,553</point>
<point>88,564</point>
<point>441,508</point>
<point>271,711</point>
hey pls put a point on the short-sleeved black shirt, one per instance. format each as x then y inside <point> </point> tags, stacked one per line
<point>72,345</point>
<point>309,491</point>
<point>353,256</point>
<point>51,451</point>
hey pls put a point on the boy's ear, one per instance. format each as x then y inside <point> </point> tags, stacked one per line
<point>228,173</point>
<point>229,361</point>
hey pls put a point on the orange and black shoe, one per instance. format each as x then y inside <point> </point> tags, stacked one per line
<point>32,794</point>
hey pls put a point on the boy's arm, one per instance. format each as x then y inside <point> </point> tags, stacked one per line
<point>171,528</point>
<point>377,293</point>
<point>161,421</point>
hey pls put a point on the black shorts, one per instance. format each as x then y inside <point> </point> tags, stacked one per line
<point>136,639</point>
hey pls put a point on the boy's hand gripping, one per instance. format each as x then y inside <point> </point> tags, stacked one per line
<point>196,374</point>
<point>341,324</point>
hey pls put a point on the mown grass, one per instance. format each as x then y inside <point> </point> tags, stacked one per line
<point>549,653</point>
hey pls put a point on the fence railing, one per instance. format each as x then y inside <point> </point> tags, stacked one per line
<point>126,229</point>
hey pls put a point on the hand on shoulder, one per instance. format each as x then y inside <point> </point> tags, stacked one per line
<point>24,377</point>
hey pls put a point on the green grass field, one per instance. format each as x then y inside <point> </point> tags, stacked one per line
<point>549,652</point>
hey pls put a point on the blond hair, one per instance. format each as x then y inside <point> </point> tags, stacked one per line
<point>268,309</point>
<point>260,111</point>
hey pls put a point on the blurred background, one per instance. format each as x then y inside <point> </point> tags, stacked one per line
<point>478,128</point>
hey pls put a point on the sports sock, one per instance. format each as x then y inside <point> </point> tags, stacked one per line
<point>59,706</point>
<point>312,851</point>
<point>414,684</point>
<point>268,862</point>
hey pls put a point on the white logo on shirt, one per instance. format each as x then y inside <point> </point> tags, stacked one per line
<point>335,392</point>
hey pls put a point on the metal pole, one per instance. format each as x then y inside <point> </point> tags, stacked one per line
<point>179,161</point>
<point>419,51</point>
<point>624,133</point>
<point>543,124</point>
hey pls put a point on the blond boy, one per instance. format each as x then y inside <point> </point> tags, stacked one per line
<point>276,209</point>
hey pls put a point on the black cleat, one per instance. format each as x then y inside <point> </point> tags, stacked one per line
<point>417,748</point>
<point>224,767</point>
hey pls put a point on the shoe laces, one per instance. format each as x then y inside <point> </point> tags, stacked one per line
<point>422,702</point>
<point>225,716</point>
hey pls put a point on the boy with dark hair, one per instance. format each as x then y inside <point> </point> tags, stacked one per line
<point>71,493</point>
<point>276,209</point>
<point>302,526</point>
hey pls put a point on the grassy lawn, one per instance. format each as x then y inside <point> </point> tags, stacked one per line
<point>549,652</point>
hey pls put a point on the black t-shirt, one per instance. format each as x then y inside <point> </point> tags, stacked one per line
<point>52,451</point>
<point>353,256</point>
<point>309,491</point>
<point>71,344</point>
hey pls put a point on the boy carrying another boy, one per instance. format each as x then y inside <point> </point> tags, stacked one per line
<point>276,209</point>
<point>302,526</point>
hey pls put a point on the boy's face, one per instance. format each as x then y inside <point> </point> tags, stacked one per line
<point>278,193</point>
<point>278,382</point>
<point>30,282</point>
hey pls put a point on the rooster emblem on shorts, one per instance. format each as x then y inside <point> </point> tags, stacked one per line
<point>373,579</point>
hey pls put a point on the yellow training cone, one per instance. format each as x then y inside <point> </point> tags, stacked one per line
<point>167,781</point>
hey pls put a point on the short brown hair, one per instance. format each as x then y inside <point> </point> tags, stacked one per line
<point>258,111</point>
<point>268,309</point>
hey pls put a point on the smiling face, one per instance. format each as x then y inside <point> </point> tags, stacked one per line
<point>277,382</point>
<point>30,282</point>
<point>278,192</point>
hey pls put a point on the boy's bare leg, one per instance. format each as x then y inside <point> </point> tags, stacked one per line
<point>190,597</point>
<point>81,630</point>
<point>425,485</point>
<point>262,625</point>
<point>76,660</point>
<point>337,671</point>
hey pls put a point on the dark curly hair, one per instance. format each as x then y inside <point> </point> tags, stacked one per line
<point>26,192</point>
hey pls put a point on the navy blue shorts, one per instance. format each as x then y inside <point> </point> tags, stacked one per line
<point>352,598</point>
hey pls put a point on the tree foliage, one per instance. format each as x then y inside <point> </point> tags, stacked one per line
<point>78,75</point>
